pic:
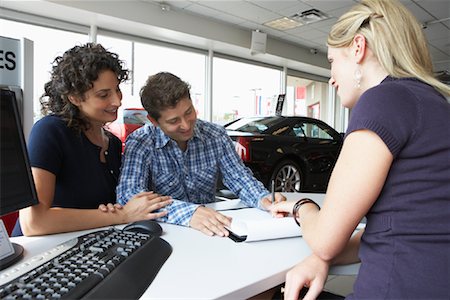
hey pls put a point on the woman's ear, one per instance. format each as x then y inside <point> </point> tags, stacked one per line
<point>74,100</point>
<point>359,47</point>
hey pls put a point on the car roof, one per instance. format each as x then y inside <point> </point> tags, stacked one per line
<point>276,119</point>
<point>274,123</point>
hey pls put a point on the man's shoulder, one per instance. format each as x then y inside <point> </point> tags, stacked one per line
<point>210,129</point>
<point>146,132</point>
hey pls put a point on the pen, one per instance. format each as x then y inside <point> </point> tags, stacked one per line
<point>273,191</point>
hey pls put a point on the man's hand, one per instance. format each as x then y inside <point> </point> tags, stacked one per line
<point>210,222</point>
<point>145,206</point>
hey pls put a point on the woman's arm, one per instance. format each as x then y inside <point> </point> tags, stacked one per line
<point>349,254</point>
<point>355,184</point>
<point>43,219</point>
<point>357,180</point>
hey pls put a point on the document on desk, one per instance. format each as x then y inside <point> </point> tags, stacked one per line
<point>256,225</point>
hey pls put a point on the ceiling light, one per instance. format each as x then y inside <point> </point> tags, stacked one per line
<point>310,16</point>
<point>164,6</point>
<point>284,23</point>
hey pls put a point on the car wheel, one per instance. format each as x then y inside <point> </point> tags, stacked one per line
<point>287,176</point>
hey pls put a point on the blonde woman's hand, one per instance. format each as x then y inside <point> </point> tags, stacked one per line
<point>312,273</point>
<point>267,202</point>
<point>281,208</point>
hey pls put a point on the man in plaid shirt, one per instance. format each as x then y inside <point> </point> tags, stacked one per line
<point>180,156</point>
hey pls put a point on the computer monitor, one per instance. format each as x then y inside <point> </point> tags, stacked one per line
<point>17,188</point>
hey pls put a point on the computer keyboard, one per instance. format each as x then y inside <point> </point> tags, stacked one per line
<point>106,264</point>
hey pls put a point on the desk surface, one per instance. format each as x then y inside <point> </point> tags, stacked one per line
<point>203,267</point>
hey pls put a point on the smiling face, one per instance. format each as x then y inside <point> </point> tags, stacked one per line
<point>342,75</point>
<point>178,122</point>
<point>102,101</point>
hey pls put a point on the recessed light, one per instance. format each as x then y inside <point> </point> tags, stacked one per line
<point>283,23</point>
<point>164,6</point>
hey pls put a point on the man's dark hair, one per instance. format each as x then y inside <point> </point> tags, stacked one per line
<point>73,74</point>
<point>161,91</point>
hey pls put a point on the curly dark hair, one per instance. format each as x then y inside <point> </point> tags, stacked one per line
<point>163,90</point>
<point>73,74</point>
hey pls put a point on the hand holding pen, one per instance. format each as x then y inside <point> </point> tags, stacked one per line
<point>272,198</point>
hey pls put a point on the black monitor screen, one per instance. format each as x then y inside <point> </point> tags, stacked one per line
<point>17,188</point>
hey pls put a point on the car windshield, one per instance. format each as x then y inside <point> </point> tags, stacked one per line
<point>253,125</point>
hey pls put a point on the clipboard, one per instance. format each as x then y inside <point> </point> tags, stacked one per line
<point>236,238</point>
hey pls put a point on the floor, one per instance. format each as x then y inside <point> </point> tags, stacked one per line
<point>341,285</point>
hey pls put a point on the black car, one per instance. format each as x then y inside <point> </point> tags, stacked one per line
<point>298,153</point>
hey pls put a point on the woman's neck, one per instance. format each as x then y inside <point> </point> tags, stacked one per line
<point>97,136</point>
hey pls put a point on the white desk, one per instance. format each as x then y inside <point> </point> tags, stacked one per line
<point>202,267</point>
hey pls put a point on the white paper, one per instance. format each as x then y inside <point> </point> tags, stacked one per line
<point>265,229</point>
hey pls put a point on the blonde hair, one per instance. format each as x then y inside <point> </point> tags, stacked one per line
<point>393,34</point>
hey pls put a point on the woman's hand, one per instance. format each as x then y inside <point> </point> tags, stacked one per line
<point>145,206</point>
<point>312,272</point>
<point>283,208</point>
<point>110,207</point>
<point>267,203</point>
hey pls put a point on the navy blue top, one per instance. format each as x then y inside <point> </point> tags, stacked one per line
<point>405,249</point>
<point>82,180</point>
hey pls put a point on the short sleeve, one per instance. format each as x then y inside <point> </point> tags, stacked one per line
<point>44,144</point>
<point>389,110</point>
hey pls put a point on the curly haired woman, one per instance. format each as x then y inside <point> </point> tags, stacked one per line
<point>75,161</point>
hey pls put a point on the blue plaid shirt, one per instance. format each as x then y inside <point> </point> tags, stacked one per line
<point>154,162</point>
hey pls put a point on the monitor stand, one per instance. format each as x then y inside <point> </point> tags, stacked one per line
<point>12,258</point>
<point>10,253</point>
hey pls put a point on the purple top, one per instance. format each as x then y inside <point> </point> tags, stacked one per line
<point>405,249</point>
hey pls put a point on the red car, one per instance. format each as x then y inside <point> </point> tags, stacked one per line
<point>132,119</point>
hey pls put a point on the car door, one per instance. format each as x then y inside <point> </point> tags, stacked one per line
<point>321,149</point>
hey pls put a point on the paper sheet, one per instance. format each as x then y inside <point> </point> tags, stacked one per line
<point>274,228</point>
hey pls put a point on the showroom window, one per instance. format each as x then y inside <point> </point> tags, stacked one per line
<point>189,66</point>
<point>45,50</point>
<point>123,48</point>
<point>145,59</point>
<point>308,97</point>
<point>243,89</point>
<point>239,87</point>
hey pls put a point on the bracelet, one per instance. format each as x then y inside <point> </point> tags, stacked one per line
<point>297,207</point>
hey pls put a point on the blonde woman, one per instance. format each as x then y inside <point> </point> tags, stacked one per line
<point>394,167</point>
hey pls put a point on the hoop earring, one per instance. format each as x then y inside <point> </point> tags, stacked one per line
<point>358,76</point>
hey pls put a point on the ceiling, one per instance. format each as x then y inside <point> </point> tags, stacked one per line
<point>252,14</point>
<point>226,26</point>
